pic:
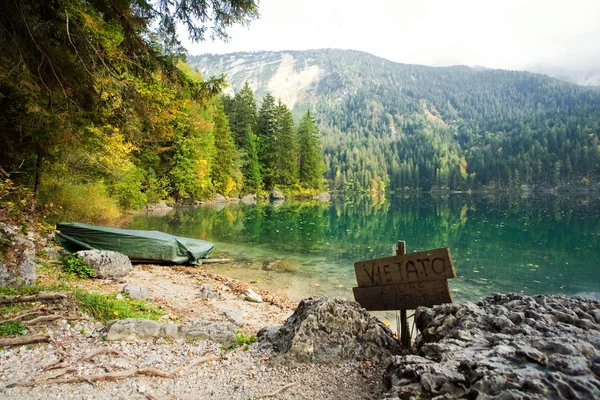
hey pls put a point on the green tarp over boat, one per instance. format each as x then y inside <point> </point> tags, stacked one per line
<point>139,246</point>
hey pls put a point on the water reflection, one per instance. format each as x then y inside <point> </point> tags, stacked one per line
<point>543,244</point>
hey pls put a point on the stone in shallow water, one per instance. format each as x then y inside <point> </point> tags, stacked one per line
<point>331,330</point>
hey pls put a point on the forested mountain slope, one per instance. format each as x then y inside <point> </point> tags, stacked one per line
<point>385,124</point>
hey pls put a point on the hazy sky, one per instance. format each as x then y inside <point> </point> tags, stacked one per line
<point>512,34</point>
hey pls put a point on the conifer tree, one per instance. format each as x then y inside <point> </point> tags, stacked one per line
<point>285,167</point>
<point>310,162</point>
<point>243,117</point>
<point>223,163</point>
<point>267,127</point>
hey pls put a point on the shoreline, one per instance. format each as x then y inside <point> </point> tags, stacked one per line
<point>239,373</point>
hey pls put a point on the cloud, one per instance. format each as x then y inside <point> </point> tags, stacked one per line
<point>512,34</point>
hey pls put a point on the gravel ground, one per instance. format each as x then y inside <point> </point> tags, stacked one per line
<point>234,374</point>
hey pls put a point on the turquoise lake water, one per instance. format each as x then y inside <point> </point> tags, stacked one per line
<point>499,243</point>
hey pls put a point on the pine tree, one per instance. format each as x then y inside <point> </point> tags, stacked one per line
<point>266,131</point>
<point>243,119</point>
<point>285,168</point>
<point>223,164</point>
<point>310,162</point>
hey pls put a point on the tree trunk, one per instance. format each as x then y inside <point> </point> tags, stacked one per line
<point>38,175</point>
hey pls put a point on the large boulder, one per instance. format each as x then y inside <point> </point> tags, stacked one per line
<point>106,264</point>
<point>331,330</point>
<point>17,261</point>
<point>505,346</point>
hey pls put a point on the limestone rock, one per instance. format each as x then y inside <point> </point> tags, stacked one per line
<point>158,207</point>
<point>207,292</point>
<point>251,295</point>
<point>136,292</point>
<point>19,266</point>
<point>137,329</point>
<point>331,330</point>
<point>249,199</point>
<point>133,329</point>
<point>324,197</point>
<point>220,332</point>
<point>505,346</point>
<point>220,199</point>
<point>106,264</point>
<point>276,195</point>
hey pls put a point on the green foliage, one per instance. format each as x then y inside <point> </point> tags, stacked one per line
<point>75,266</point>
<point>79,201</point>
<point>310,163</point>
<point>95,101</point>
<point>103,307</point>
<point>241,340</point>
<point>11,328</point>
<point>389,125</point>
<point>106,307</point>
<point>225,152</point>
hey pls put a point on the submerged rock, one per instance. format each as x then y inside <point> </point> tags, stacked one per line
<point>331,330</point>
<point>505,346</point>
<point>279,266</point>
<point>106,264</point>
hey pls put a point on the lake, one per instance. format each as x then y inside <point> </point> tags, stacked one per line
<point>543,244</point>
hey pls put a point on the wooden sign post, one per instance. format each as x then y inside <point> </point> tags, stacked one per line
<point>404,282</point>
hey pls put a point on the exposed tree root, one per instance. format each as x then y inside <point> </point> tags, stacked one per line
<point>112,376</point>
<point>18,341</point>
<point>41,297</point>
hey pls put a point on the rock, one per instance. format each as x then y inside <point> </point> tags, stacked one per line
<point>132,329</point>
<point>279,266</point>
<point>233,199</point>
<point>276,195</point>
<point>331,330</point>
<point>505,346</point>
<point>325,197</point>
<point>249,199</point>
<point>220,332</point>
<point>158,207</point>
<point>18,265</point>
<point>136,292</point>
<point>119,296</point>
<point>220,199</point>
<point>106,264</point>
<point>251,295</point>
<point>207,292</point>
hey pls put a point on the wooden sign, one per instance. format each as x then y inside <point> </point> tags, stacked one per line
<point>404,281</point>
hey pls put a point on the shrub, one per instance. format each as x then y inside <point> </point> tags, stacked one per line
<point>11,328</point>
<point>85,202</point>
<point>72,265</point>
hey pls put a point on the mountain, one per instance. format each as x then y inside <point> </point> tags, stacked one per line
<point>390,124</point>
<point>583,77</point>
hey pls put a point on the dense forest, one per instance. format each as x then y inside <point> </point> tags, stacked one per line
<point>390,125</point>
<point>99,111</point>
